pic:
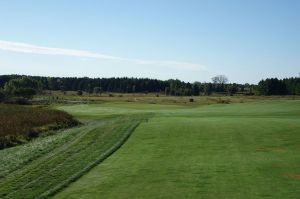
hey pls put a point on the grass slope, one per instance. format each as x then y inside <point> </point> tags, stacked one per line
<point>44,166</point>
<point>247,150</point>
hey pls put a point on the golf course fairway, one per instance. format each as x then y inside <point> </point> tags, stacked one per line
<point>243,150</point>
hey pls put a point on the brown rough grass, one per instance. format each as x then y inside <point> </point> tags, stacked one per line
<point>21,123</point>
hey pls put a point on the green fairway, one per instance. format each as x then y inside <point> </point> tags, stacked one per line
<point>245,150</point>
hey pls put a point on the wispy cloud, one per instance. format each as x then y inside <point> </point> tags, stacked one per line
<point>29,48</point>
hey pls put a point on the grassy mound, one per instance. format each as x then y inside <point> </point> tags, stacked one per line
<point>18,124</point>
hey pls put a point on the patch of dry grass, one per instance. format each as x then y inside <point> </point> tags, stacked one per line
<point>21,123</point>
<point>150,98</point>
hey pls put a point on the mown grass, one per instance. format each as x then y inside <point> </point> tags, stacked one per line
<point>18,124</point>
<point>245,150</point>
<point>238,150</point>
<point>46,165</point>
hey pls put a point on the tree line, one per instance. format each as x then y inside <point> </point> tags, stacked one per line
<point>26,86</point>
<point>274,86</point>
<point>172,87</point>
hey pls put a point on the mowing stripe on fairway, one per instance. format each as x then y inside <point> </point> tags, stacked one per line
<point>57,167</point>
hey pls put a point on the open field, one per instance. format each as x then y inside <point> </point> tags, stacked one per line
<point>245,150</point>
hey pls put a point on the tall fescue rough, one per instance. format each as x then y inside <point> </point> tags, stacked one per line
<point>19,124</point>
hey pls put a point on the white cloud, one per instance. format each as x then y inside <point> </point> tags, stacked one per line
<point>29,48</point>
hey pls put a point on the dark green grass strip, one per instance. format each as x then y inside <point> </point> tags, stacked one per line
<point>50,173</point>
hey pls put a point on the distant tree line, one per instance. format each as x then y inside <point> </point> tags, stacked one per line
<point>274,86</point>
<point>172,87</point>
<point>28,85</point>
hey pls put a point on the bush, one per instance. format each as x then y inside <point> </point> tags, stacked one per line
<point>32,134</point>
<point>223,101</point>
<point>97,90</point>
<point>79,92</point>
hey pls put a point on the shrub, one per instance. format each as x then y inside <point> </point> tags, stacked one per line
<point>97,90</point>
<point>223,101</point>
<point>79,92</point>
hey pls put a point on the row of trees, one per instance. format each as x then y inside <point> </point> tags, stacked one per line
<point>172,87</point>
<point>274,86</point>
<point>28,85</point>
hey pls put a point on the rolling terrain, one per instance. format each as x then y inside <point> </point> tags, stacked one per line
<point>138,150</point>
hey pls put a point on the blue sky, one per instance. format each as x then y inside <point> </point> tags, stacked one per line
<point>192,40</point>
